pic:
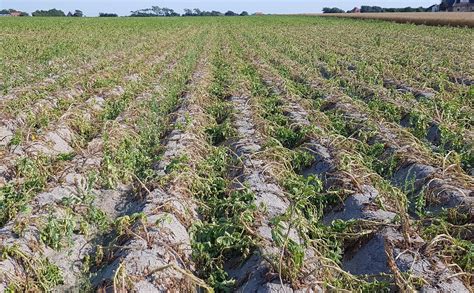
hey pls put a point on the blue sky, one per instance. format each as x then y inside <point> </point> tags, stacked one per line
<point>123,7</point>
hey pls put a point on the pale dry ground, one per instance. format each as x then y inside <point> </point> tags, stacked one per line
<point>428,18</point>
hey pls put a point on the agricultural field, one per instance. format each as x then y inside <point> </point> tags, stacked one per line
<point>462,19</point>
<point>246,154</point>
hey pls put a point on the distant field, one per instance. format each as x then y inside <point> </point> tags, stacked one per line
<point>428,18</point>
<point>235,154</point>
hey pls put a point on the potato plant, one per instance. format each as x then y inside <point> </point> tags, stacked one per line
<point>273,153</point>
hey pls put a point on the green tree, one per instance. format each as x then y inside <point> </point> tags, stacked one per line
<point>332,10</point>
<point>230,13</point>
<point>51,12</point>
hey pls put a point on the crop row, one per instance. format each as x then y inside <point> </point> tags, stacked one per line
<point>44,52</point>
<point>268,154</point>
<point>86,189</point>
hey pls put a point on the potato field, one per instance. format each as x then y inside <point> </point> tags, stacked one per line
<point>235,154</point>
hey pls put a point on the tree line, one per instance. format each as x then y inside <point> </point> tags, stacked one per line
<point>199,12</point>
<point>154,11</point>
<point>51,12</point>
<point>375,9</point>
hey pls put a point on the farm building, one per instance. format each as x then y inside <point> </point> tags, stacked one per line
<point>15,13</point>
<point>457,5</point>
<point>433,8</point>
<point>463,6</point>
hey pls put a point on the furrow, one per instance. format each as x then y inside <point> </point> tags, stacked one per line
<point>61,229</point>
<point>432,119</point>
<point>252,275</point>
<point>412,174</point>
<point>87,89</point>
<point>61,143</point>
<point>96,102</point>
<point>83,56</point>
<point>156,253</point>
<point>388,243</point>
<point>446,187</point>
<point>441,134</point>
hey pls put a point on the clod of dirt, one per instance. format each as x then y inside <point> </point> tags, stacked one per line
<point>47,103</point>
<point>267,193</point>
<point>402,88</point>
<point>411,177</point>
<point>56,142</point>
<point>6,266</point>
<point>175,146</point>
<point>462,80</point>
<point>324,72</point>
<point>134,77</point>
<point>115,203</point>
<point>297,114</point>
<point>351,67</point>
<point>117,91</point>
<point>406,121</point>
<point>424,95</point>
<point>73,178</point>
<point>370,258</point>
<point>96,103</point>
<point>54,196</point>
<point>69,261</point>
<point>442,195</point>
<point>360,206</point>
<point>255,276</point>
<point>6,136</point>
<point>4,175</point>
<point>323,162</point>
<point>434,134</point>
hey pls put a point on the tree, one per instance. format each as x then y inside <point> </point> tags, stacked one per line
<point>377,9</point>
<point>188,12</point>
<point>230,13</point>
<point>199,12</point>
<point>365,8</point>
<point>104,14</point>
<point>51,12</point>
<point>167,12</point>
<point>154,11</point>
<point>244,13</point>
<point>216,13</point>
<point>332,10</point>
<point>78,13</point>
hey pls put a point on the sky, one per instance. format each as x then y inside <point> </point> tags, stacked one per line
<point>123,7</point>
